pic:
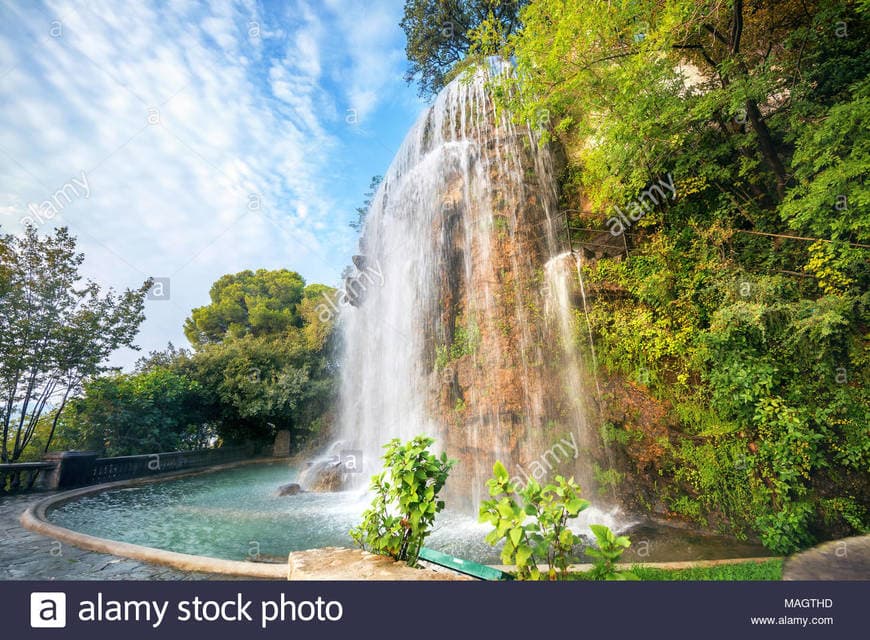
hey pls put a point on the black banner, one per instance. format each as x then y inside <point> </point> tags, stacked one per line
<point>417,610</point>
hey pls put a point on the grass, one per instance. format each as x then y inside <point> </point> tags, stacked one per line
<point>768,570</point>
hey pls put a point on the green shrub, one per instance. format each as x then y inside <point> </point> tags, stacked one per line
<point>533,522</point>
<point>608,480</point>
<point>786,531</point>
<point>610,549</point>
<point>845,509</point>
<point>406,500</point>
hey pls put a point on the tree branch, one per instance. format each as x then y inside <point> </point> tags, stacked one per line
<point>737,27</point>
<point>717,34</point>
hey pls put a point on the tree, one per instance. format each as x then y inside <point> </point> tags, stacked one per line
<point>262,361</point>
<point>148,412</point>
<point>263,354</point>
<point>247,303</point>
<point>831,198</point>
<point>54,331</point>
<point>257,384</point>
<point>167,358</point>
<point>437,33</point>
<point>663,84</point>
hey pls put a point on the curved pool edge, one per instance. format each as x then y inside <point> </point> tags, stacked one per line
<point>35,519</point>
<point>673,565</point>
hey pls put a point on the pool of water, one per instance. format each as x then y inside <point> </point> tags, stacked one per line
<point>236,514</point>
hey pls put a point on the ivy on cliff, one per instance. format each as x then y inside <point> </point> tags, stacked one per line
<point>743,300</point>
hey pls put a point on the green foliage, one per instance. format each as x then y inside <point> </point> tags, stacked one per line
<point>55,332</point>
<point>533,523</point>
<point>466,340</point>
<point>612,433</point>
<point>786,530</point>
<point>254,303</point>
<point>608,480</point>
<point>255,385</point>
<point>757,344</point>
<point>131,414</point>
<point>263,362</point>
<point>406,500</point>
<point>767,570</point>
<point>442,357</point>
<point>263,355</point>
<point>610,548</point>
<point>831,198</point>
<point>440,33</point>
<point>848,510</point>
<point>489,37</point>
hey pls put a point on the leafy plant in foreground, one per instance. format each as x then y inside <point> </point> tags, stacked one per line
<point>406,500</point>
<point>610,549</point>
<point>545,537</point>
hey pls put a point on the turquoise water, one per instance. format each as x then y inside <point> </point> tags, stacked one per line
<point>235,514</point>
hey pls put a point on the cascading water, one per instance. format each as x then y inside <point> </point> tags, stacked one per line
<point>458,330</point>
<point>561,271</point>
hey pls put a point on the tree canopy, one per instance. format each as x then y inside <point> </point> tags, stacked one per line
<point>262,362</point>
<point>437,33</point>
<point>55,331</point>
<point>149,412</point>
<point>254,303</point>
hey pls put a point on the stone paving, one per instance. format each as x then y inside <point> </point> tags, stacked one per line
<point>25,555</point>
<point>846,559</point>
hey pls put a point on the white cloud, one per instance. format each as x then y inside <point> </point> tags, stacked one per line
<point>376,56</point>
<point>170,199</point>
<point>237,116</point>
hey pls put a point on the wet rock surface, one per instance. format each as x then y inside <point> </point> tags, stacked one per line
<point>290,489</point>
<point>323,476</point>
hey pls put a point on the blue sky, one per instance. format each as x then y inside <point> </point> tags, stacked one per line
<point>194,139</point>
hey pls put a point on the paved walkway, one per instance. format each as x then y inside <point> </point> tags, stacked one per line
<point>25,555</point>
<point>846,559</point>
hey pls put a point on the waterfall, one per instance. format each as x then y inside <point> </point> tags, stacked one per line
<point>459,323</point>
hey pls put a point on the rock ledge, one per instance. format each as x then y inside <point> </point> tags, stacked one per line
<point>338,563</point>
